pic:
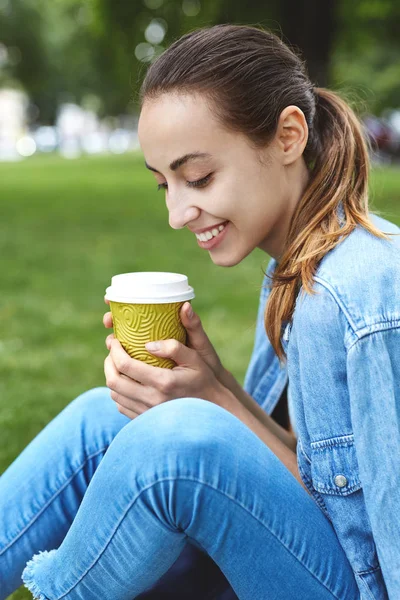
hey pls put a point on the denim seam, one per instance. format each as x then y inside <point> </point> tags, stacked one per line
<point>364,331</point>
<point>217,490</point>
<point>50,500</point>
<point>302,449</point>
<point>373,570</point>
<point>333,442</point>
<point>315,495</point>
<point>389,326</point>
<point>338,300</point>
<point>366,588</point>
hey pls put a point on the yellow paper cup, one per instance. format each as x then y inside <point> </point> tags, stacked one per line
<point>145,307</point>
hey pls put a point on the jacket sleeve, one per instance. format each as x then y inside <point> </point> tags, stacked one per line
<point>373,369</point>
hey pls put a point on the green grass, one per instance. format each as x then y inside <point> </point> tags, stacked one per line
<point>66,227</point>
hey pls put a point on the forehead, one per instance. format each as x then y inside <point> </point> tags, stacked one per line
<point>174,124</point>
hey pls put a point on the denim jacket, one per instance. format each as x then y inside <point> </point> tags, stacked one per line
<point>343,368</point>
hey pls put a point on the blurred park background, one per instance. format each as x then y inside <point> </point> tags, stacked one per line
<point>77,204</point>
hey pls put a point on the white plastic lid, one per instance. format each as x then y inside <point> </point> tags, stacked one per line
<point>149,287</point>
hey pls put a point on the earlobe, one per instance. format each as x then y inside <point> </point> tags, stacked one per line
<point>292,133</point>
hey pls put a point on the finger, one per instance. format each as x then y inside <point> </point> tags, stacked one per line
<point>108,340</point>
<point>176,351</point>
<point>126,411</point>
<point>124,386</point>
<point>197,337</point>
<point>195,330</point>
<point>146,374</point>
<point>108,320</point>
<point>129,404</point>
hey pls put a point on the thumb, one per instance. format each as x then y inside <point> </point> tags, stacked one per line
<point>173,349</point>
<point>197,337</point>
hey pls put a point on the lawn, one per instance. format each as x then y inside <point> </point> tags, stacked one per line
<point>66,227</point>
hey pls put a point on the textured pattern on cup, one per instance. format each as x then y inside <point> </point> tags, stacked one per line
<point>137,324</point>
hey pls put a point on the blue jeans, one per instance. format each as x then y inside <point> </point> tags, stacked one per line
<point>108,504</point>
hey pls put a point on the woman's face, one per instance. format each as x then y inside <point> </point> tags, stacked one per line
<point>252,190</point>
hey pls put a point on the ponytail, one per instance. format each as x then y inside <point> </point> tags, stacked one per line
<point>339,170</point>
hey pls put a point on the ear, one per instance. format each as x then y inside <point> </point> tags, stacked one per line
<point>291,134</point>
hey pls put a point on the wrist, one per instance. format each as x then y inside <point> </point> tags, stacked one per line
<point>224,397</point>
<point>227,379</point>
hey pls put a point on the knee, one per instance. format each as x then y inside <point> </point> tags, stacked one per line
<point>94,405</point>
<point>183,423</point>
<point>95,398</point>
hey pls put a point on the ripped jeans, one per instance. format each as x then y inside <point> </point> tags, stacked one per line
<point>99,507</point>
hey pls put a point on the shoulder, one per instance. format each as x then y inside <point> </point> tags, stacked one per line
<point>362,276</point>
<point>361,249</point>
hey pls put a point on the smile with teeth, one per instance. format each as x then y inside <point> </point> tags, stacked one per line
<point>208,235</point>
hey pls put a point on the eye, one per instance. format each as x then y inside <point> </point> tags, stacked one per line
<point>199,183</point>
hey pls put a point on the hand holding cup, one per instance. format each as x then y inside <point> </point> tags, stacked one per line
<point>137,386</point>
<point>197,339</point>
<point>138,379</point>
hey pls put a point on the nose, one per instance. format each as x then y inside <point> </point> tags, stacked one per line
<point>180,216</point>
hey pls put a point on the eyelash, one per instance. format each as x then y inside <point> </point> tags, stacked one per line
<point>199,183</point>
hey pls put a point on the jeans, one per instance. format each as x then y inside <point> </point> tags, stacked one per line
<point>107,505</point>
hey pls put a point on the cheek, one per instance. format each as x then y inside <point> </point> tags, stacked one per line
<point>230,198</point>
<point>218,200</point>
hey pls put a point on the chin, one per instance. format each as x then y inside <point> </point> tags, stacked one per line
<point>226,261</point>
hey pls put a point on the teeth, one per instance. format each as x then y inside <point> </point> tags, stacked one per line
<point>208,235</point>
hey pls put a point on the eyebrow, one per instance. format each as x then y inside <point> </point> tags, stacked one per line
<point>178,162</point>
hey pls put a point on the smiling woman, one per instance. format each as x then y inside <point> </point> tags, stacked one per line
<point>223,178</point>
<point>109,496</point>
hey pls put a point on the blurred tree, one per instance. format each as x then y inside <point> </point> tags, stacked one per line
<point>124,25</point>
<point>71,50</point>
<point>54,48</point>
<point>309,26</point>
<point>342,42</point>
<point>22,31</point>
<point>367,50</point>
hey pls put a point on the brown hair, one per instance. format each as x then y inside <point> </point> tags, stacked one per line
<point>250,76</point>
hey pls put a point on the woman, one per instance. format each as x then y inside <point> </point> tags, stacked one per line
<point>109,494</point>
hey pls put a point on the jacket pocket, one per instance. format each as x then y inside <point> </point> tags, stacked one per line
<point>334,467</point>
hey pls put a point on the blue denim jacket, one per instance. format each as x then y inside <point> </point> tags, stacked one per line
<point>343,368</point>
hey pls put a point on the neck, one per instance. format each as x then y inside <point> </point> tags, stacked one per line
<point>297,181</point>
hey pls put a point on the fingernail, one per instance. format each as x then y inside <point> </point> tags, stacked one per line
<point>153,346</point>
<point>190,311</point>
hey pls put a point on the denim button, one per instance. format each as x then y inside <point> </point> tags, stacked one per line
<point>340,481</point>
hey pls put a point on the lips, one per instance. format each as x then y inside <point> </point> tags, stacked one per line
<point>215,240</point>
<point>209,233</point>
<point>204,229</point>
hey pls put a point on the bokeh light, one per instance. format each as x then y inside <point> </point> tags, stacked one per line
<point>191,8</point>
<point>144,52</point>
<point>155,31</point>
<point>119,141</point>
<point>153,4</point>
<point>26,146</point>
<point>46,138</point>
